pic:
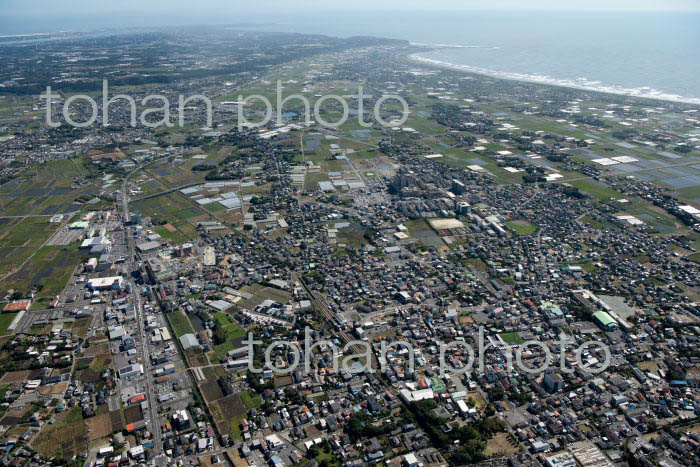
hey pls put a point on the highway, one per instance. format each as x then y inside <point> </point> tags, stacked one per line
<point>169,190</point>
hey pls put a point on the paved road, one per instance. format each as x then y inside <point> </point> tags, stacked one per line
<point>30,215</point>
<point>131,264</point>
<point>170,190</point>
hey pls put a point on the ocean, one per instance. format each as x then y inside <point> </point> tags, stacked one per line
<point>647,54</point>
<point>643,54</point>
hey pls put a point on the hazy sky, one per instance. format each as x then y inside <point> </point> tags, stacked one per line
<point>91,7</point>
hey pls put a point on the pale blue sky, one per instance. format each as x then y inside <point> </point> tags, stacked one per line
<point>91,7</point>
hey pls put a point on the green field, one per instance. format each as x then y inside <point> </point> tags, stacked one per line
<point>234,333</point>
<point>74,415</point>
<point>173,209</point>
<point>223,318</point>
<point>236,426</point>
<point>327,458</point>
<point>521,227</point>
<point>175,236</point>
<point>28,232</point>
<point>47,272</point>
<point>5,321</point>
<point>20,239</point>
<point>46,189</point>
<point>596,189</point>
<point>251,399</point>
<point>180,323</point>
<point>512,338</point>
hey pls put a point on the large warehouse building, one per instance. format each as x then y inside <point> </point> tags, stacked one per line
<point>106,283</point>
<point>605,321</point>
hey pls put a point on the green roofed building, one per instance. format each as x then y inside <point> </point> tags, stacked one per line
<point>438,386</point>
<point>79,225</point>
<point>605,321</point>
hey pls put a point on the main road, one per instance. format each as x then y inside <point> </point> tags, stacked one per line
<point>131,265</point>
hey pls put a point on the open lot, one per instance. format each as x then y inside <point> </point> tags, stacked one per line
<point>521,227</point>
<point>180,323</point>
<point>231,412</point>
<point>502,444</point>
<point>47,272</point>
<point>62,441</point>
<point>234,335</point>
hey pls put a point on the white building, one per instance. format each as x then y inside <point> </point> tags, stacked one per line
<point>131,370</point>
<point>106,283</point>
<point>189,341</point>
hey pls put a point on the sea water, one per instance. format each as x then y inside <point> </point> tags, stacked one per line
<point>652,54</point>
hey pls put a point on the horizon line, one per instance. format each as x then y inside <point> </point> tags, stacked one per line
<point>352,10</point>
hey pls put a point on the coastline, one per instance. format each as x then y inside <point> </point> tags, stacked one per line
<point>581,84</point>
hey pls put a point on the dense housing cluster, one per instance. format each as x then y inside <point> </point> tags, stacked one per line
<point>136,261</point>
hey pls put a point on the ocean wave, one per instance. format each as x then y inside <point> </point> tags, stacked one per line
<point>33,34</point>
<point>454,46</point>
<point>578,83</point>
